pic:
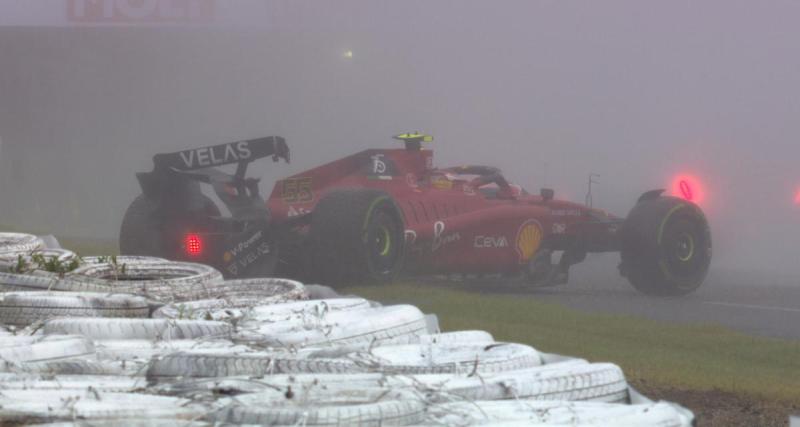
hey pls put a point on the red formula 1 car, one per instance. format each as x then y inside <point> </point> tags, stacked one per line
<point>379,213</point>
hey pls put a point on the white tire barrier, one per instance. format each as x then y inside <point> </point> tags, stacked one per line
<point>24,308</point>
<point>453,358</point>
<point>318,407</point>
<point>143,329</point>
<point>357,327</point>
<point>580,414</point>
<point>19,242</point>
<point>43,349</point>
<point>166,282</point>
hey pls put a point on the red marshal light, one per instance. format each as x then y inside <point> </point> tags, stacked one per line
<point>688,188</point>
<point>193,245</point>
<point>797,198</point>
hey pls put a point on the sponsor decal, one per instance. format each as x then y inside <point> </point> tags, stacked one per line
<point>297,190</point>
<point>297,212</point>
<point>559,228</point>
<point>529,238</point>
<point>378,165</point>
<point>411,237</point>
<point>468,190</point>
<point>490,242</point>
<point>411,180</point>
<point>216,155</point>
<point>565,212</point>
<point>379,177</point>
<point>239,258</point>
<point>236,250</point>
<point>429,163</point>
<point>441,183</point>
<point>140,11</point>
<point>440,239</point>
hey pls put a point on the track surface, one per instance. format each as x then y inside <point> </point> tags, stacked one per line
<point>747,302</point>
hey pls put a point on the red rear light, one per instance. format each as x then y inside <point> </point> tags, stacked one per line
<point>689,188</point>
<point>193,245</point>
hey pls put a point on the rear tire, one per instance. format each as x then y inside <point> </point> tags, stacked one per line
<point>666,247</point>
<point>357,235</point>
<point>142,233</point>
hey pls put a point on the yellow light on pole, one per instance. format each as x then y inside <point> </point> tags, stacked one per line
<point>348,54</point>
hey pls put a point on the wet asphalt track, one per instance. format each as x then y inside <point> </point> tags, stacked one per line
<point>747,302</point>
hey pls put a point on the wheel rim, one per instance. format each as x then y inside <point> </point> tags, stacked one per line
<point>381,244</point>
<point>684,247</point>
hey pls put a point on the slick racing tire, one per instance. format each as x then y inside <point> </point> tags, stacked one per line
<point>142,233</point>
<point>665,247</point>
<point>149,329</point>
<point>18,242</point>
<point>357,236</point>
<point>24,308</point>
<point>319,406</point>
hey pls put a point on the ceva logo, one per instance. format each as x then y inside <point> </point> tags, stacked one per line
<point>140,11</point>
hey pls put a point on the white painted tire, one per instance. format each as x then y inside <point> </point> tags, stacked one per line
<point>148,329</point>
<point>19,242</point>
<point>123,259</point>
<point>399,323</point>
<point>569,381</point>
<point>220,299</point>
<point>24,308</point>
<point>43,348</point>
<point>318,407</point>
<point>144,350</point>
<point>559,413</point>
<point>34,405</point>
<point>9,260</point>
<point>457,337</point>
<point>42,281</point>
<point>453,358</point>
<point>208,364</point>
<point>108,383</point>
<point>165,282</point>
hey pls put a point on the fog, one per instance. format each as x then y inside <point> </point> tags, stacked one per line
<point>550,91</point>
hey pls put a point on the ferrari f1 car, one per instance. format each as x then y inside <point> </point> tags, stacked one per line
<point>379,213</point>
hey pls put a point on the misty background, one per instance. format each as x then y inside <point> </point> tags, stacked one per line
<point>550,91</point>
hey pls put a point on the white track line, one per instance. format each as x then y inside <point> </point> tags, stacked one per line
<point>753,306</point>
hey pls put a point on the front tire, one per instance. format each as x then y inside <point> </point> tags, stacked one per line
<point>666,247</point>
<point>357,236</point>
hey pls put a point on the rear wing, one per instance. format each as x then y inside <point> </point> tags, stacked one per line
<point>174,181</point>
<point>241,152</point>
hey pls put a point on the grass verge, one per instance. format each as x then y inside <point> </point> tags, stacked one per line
<point>695,357</point>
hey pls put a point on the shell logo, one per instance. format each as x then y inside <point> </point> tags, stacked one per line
<point>529,238</point>
<point>227,257</point>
